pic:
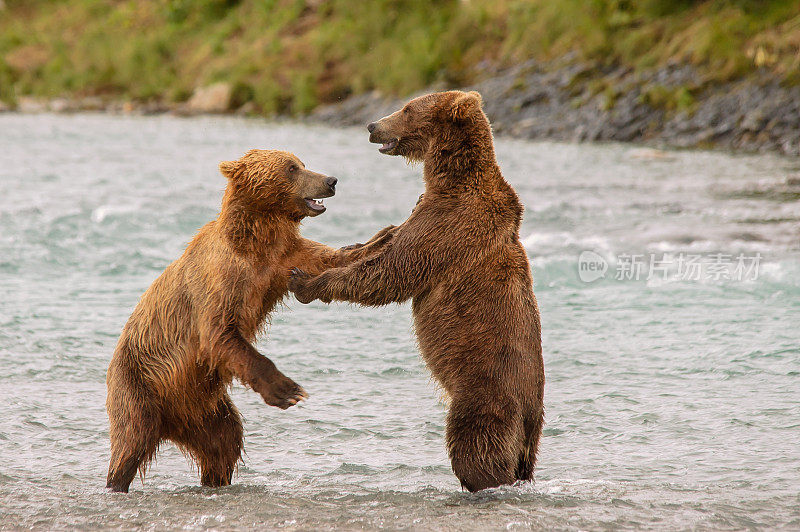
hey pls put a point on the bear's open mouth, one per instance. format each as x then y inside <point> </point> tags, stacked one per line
<point>389,146</point>
<point>314,204</point>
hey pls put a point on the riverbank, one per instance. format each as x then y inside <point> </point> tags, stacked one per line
<point>567,100</point>
<point>668,107</point>
<point>684,73</point>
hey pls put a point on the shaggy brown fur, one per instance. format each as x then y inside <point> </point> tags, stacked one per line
<point>193,329</point>
<point>459,258</point>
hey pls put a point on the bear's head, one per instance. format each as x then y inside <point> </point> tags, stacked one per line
<point>440,116</point>
<point>277,181</point>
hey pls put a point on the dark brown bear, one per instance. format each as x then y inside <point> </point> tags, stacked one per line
<point>460,260</point>
<point>193,329</point>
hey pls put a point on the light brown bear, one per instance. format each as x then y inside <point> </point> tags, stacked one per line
<point>193,330</point>
<point>458,257</point>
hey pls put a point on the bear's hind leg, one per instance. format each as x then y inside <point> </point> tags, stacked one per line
<point>135,433</point>
<point>122,470</point>
<point>218,461</point>
<point>216,445</point>
<point>527,459</point>
<point>483,438</point>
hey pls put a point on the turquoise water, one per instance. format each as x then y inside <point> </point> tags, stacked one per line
<point>673,402</point>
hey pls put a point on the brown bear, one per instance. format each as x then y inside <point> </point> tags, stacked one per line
<point>193,329</point>
<point>458,257</point>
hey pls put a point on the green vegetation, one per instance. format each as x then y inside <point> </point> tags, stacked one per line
<point>287,56</point>
<point>669,98</point>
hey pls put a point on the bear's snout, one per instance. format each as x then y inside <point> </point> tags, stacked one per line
<point>371,126</point>
<point>331,182</point>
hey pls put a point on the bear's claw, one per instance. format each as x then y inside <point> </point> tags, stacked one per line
<point>298,283</point>
<point>283,394</point>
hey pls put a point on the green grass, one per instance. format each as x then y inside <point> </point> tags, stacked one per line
<point>679,98</point>
<point>287,56</point>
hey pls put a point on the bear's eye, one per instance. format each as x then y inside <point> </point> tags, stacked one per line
<point>405,110</point>
<point>292,168</point>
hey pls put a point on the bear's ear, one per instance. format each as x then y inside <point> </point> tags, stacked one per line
<point>230,168</point>
<point>465,104</point>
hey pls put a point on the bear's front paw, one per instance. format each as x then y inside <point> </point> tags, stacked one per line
<point>282,392</point>
<point>298,284</point>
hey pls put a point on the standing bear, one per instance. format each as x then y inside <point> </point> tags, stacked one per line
<point>458,257</point>
<point>193,330</point>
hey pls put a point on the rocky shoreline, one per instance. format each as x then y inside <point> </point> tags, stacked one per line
<point>668,107</point>
<point>567,101</point>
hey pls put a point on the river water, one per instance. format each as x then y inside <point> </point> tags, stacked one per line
<point>669,286</point>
